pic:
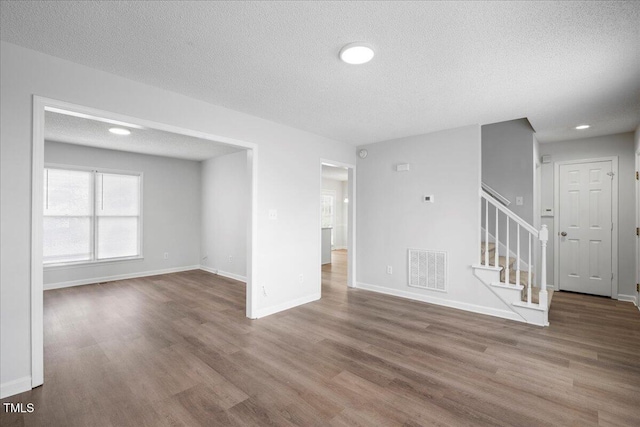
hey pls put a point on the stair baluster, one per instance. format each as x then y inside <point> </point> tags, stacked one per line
<point>507,273</point>
<point>497,256</point>
<point>529,276</point>
<point>486,233</point>
<point>518,256</point>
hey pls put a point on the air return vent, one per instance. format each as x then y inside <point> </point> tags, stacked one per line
<point>427,269</point>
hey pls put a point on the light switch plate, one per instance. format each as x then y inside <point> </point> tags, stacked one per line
<point>519,201</point>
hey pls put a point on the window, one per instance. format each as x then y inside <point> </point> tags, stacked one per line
<point>328,211</point>
<point>90,215</point>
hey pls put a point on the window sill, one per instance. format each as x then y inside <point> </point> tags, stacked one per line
<point>61,266</point>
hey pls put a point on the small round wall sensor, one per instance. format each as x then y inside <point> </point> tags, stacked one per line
<point>363,153</point>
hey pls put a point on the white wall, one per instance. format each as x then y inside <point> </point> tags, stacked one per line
<point>391,216</point>
<point>341,209</point>
<point>171,211</point>
<point>225,212</point>
<point>622,146</point>
<point>288,178</point>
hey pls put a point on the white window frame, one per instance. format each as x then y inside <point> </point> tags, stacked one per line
<point>333,194</point>
<point>94,240</point>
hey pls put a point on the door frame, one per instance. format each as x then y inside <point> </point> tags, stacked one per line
<point>40,105</point>
<point>637,225</point>
<point>614,219</point>
<point>351,221</point>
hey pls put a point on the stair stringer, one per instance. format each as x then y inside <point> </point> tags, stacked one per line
<point>510,296</point>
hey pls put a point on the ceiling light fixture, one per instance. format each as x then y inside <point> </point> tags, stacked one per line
<point>120,131</point>
<point>356,53</point>
<point>582,127</point>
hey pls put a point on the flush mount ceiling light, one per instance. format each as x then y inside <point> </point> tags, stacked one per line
<point>582,127</point>
<point>356,53</point>
<point>120,131</point>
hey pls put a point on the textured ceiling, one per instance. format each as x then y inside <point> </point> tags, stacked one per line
<point>438,65</point>
<point>332,172</point>
<point>92,133</point>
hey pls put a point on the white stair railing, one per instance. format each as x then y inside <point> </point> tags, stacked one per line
<point>503,222</point>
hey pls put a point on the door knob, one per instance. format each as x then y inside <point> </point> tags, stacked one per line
<point>563,234</point>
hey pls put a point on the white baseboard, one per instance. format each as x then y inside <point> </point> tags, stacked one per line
<point>14,387</point>
<point>629,298</point>
<point>233,276</point>
<point>263,312</point>
<point>226,274</point>
<point>208,269</point>
<point>504,314</point>
<point>95,280</point>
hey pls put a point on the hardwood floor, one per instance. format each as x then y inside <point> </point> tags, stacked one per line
<point>176,350</point>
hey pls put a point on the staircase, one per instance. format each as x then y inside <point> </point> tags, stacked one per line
<point>513,279</point>
<point>503,268</point>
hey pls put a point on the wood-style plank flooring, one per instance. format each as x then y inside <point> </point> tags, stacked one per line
<point>177,350</point>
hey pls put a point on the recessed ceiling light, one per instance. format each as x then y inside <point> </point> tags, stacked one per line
<point>120,131</point>
<point>356,53</point>
<point>581,127</point>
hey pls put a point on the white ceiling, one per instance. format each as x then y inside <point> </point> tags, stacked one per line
<point>333,172</point>
<point>92,133</point>
<point>438,65</point>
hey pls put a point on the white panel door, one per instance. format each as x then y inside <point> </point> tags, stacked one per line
<point>585,228</point>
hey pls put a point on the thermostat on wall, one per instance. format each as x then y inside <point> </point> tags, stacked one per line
<point>428,198</point>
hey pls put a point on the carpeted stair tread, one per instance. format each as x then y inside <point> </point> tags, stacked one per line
<point>492,248</point>
<point>524,277</point>
<point>535,295</point>
<point>502,261</point>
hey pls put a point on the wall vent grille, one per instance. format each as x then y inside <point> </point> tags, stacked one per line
<point>428,269</point>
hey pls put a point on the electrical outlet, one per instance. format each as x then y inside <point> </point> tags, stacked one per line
<point>166,255</point>
<point>389,269</point>
<point>301,278</point>
<point>264,290</point>
<point>230,258</point>
<point>273,214</point>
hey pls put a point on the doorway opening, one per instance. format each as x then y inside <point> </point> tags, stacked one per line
<point>105,206</point>
<point>337,217</point>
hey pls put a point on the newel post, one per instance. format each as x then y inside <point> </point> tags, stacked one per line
<point>544,238</point>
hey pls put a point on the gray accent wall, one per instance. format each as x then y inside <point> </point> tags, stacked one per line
<point>507,163</point>
<point>170,207</point>
<point>622,146</point>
